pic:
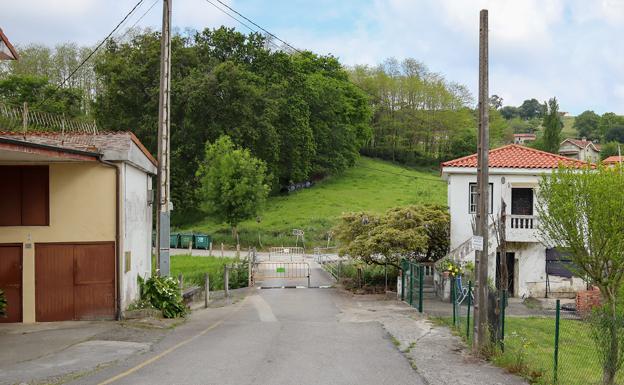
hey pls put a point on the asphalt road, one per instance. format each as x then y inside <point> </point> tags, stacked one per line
<point>273,337</point>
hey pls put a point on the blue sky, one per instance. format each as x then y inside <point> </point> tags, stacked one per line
<point>571,49</point>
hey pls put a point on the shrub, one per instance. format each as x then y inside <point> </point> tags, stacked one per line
<point>3,304</point>
<point>163,293</point>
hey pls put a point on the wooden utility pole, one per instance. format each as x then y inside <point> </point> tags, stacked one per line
<point>164,201</point>
<point>481,283</point>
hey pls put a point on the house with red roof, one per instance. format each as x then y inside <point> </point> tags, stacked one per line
<point>613,160</point>
<point>580,149</point>
<point>515,172</point>
<point>524,138</point>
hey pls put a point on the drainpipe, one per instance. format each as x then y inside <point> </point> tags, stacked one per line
<point>118,244</point>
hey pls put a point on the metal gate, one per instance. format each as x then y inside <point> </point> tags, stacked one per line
<point>288,252</point>
<point>283,270</point>
<point>412,279</point>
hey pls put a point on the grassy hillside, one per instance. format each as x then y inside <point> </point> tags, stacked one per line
<point>372,185</point>
<point>568,130</point>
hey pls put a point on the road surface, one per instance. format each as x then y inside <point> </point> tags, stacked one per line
<point>273,336</point>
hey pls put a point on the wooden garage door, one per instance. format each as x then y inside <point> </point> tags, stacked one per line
<point>74,281</point>
<point>11,280</point>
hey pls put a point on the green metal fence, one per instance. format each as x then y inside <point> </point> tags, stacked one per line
<point>412,280</point>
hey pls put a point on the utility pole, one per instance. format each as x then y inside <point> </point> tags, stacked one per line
<point>481,285</point>
<point>164,202</point>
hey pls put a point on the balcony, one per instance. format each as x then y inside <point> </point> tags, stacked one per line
<point>522,228</point>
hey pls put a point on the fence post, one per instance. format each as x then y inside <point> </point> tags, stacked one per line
<point>181,282</point>
<point>403,280</point>
<point>502,323</point>
<point>421,276</point>
<point>237,250</point>
<point>556,366</point>
<point>207,293</point>
<point>249,270</point>
<point>25,117</point>
<point>411,282</point>
<point>468,314</point>
<point>221,249</point>
<point>226,281</point>
<point>210,252</point>
<point>453,300</point>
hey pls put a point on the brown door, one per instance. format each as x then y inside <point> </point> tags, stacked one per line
<point>11,281</point>
<point>75,281</point>
<point>94,281</point>
<point>54,282</point>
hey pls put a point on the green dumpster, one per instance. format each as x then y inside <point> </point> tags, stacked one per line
<point>201,241</point>
<point>186,240</point>
<point>174,240</point>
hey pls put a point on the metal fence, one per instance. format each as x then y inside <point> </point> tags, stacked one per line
<point>282,270</point>
<point>20,118</point>
<point>288,252</point>
<point>412,282</point>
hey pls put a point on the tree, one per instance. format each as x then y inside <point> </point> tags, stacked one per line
<point>234,185</point>
<point>581,213</point>
<point>610,149</point>
<point>615,134</point>
<point>552,127</point>
<point>609,120</point>
<point>418,232</point>
<point>531,108</point>
<point>586,124</point>
<point>510,112</point>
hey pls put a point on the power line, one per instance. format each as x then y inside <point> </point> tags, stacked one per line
<point>259,27</point>
<point>138,20</point>
<point>96,48</point>
<point>239,21</point>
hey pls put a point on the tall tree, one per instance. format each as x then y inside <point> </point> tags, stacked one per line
<point>552,127</point>
<point>531,108</point>
<point>233,183</point>
<point>586,124</point>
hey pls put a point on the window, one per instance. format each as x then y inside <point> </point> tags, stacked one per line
<point>521,201</point>
<point>24,196</point>
<point>472,198</point>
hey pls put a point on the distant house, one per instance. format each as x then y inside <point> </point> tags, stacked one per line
<point>515,172</point>
<point>524,138</point>
<point>7,51</point>
<point>613,160</point>
<point>583,150</point>
<point>75,224</point>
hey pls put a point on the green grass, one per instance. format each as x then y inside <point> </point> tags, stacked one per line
<point>568,130</point>
<point>372,185</point>
<point>194,268</point>
<point>533,338</point>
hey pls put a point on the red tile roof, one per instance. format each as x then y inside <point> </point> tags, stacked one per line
<point>613,159</point>
<point>517,156</point>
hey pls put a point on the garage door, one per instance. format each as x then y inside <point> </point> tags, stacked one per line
<point>74,281</point>
<point>11,281</point>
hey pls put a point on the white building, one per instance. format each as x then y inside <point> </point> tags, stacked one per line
<point>515,172</point>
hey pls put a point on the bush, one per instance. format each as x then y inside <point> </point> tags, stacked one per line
<point>163,293</point>
<point>3,304</point>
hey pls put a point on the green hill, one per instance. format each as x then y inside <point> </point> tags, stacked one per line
<point>372,185</point>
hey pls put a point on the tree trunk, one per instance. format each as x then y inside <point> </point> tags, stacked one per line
<point>612,357</point>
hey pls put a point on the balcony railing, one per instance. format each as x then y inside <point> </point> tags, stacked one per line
<point>523,222</point>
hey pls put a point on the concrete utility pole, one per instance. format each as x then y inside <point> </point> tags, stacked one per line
<point>164,202</point>
<point>481,285</point>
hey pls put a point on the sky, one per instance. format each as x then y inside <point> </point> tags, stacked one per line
<point>571,49</point>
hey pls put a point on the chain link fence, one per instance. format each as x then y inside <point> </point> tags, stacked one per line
<point>412,282</point>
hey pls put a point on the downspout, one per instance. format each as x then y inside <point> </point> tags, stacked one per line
<point>118,250</point>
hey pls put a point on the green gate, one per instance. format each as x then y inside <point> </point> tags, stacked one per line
<point>412,278</point>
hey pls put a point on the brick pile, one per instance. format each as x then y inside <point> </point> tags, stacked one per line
<point>586,300</point>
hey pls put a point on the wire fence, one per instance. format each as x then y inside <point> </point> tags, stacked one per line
<point>22,119</point>
<point>412,283</point>
<point>357,276</point>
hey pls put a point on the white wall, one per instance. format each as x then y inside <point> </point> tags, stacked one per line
<point>137,230</point>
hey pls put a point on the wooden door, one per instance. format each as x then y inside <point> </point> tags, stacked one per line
<point>11,281</point>
<point>54,282</point>
<point>94,281</point>
<point>75,281</point>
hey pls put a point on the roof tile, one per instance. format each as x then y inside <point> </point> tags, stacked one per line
<point>516,156</point>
